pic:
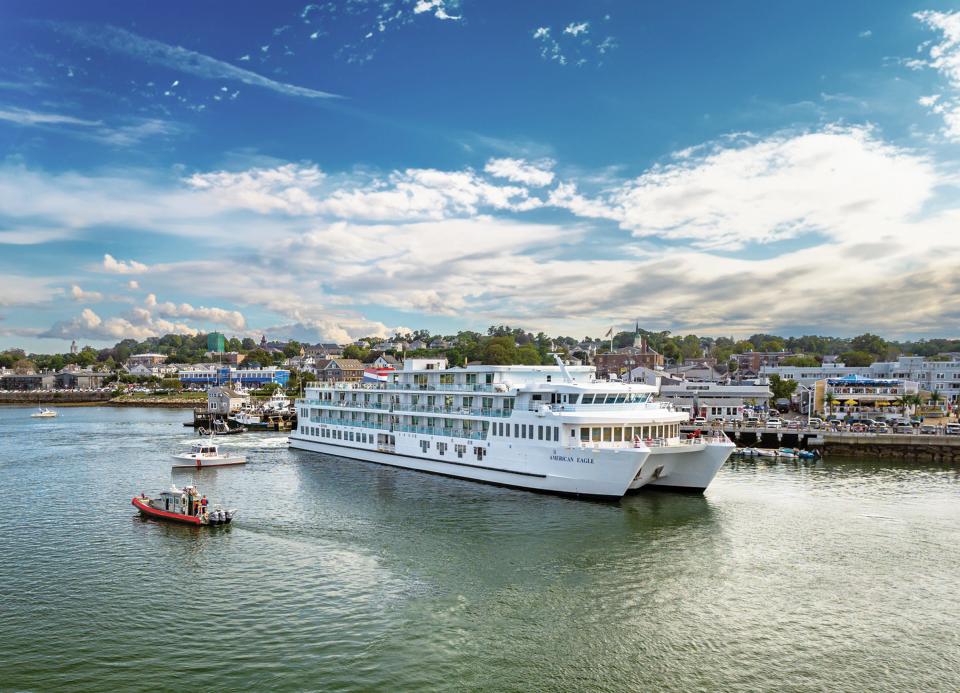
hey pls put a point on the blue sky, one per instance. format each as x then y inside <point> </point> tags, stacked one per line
<point>326,171</point>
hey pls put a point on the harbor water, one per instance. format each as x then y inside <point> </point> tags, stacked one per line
<point>342,575</point>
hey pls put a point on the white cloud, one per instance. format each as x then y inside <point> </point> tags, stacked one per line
<point>577,28</point>
<point>114,40</point>
<point>133,284</point>
<point>944,57</point>
<point>520,171</point>
<point>139,324</point>
<point>290,188</point>
<point>436,6</point>
<point>231,319</point>
<point>114,266</point>
<point>866,33</point>
<point>82,296</point>
<point>22,290</point>
<point>22,116</point>
<point>842,182</point>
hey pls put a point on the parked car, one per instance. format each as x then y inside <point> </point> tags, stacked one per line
<point>793,425</point>
<point>880,427</point>
<point>814,423</point>
<point>774,423</point>
<point>903,428</point>
<point>952,430</point>
<point>927,429</point>
<point>751,422</point>
<point>700,421</point>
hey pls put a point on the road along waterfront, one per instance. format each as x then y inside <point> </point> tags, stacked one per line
<point>342,575</point>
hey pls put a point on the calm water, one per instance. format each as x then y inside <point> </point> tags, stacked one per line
<point>341,575</point>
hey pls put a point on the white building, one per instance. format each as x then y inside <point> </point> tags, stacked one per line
<point>932,376</point>
<point>715,400</point>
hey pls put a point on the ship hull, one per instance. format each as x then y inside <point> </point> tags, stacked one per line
<point>616,471</point>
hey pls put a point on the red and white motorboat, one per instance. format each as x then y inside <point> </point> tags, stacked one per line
<point>183,505</point>
<point>206,455</point>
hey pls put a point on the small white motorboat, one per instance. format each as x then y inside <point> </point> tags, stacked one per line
<point>43,413</point>
<point>766,452</point>
<point>206,454</point>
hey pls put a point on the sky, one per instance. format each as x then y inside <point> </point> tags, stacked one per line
<point>333,170</point>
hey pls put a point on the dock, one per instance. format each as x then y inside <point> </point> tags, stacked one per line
<point>911,446</point>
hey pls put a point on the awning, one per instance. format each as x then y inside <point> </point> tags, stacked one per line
<point>850,402</point>
<point>882,403</point>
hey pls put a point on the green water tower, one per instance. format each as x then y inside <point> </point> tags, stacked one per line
<point>215,342</point>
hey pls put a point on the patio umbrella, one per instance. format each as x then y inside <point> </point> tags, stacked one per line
<point>850,402</point>
<point>883,403</point>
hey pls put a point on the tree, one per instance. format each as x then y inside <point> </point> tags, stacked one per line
<point>782,389</point>
<point>800,361</point>
<point>291,349</point>
<point>828,400</point>
<point>354,352</point>
<point>24,366</point>
<point>857,358</point>
<point>870,343</point>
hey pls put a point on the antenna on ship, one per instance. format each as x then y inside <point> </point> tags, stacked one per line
<point>563,366</point>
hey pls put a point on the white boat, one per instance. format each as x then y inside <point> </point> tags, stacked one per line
<point>277,403</point>
<point>767,452</point>
<point>206,454</point>
<point>546,428</point>
<point>246,418</point>
<point>43,413</point>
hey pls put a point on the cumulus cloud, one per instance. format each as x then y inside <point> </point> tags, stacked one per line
<point>114,266</point>
<point>841,182</point>
<point>138,325</point>
<point>231,319</point>
<point>82,296</point>
<point>133,284</point>
<point>520,171</point>
<point>289,188</point>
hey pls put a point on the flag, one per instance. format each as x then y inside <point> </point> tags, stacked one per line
<point>609,333</point>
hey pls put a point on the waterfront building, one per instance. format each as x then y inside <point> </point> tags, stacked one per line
<point>225,400</point>
<point>146,359</point>
<point>751,362</point>
<point>340,370</point>
<point>864,396</point>
<point>28,381</point>
<point>243,377</point>
<point>652,376</point>
<point>716,401</point>
<point>439,343</point>
<point>550,428</point>
<point>620,362</point>
<point>326,350</point>
<point>378,360</point>
<point>71,379</point>
<point>942,377</point>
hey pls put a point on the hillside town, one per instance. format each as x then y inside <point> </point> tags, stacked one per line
<point>713,379</point>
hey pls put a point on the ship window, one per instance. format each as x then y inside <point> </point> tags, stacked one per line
<point>584,435</point>
<point>595,435</point>
<point>539,432</point>
<point>618,435</point>
<point>424,445</point>
<point>441,448</point>
<point>621,399</point>
<point>480,452</point>
<point>607,434</point>
<point>556,434</point>
<point>628,433</point>
<point>588,399</point>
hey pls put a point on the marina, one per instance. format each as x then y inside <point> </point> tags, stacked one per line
<point>412,581</point>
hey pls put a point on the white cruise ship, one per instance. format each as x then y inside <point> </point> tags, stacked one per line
<point>547,428</point>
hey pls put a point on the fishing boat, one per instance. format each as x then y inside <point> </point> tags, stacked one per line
<point>206,454</point>
<point>43,413</point>
<point>184,505</point>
